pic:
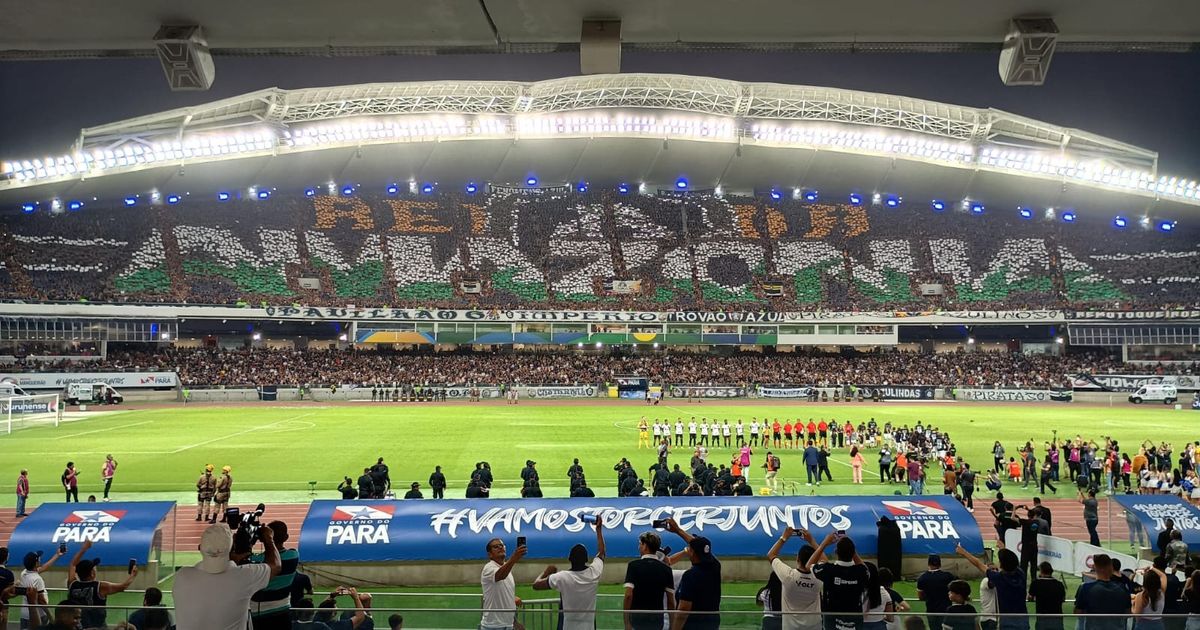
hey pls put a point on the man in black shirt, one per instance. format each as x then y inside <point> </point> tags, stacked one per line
<point>582,490</point>
<point>1030,528</point>
<point>1002,512</point>
<point>414,492</point>
<point>845,581</point>
<point>379,475</point>
<point>700,587</point>
<point>437,481</point>
<point>933,587</point>
<point>1104,596</point>
<point>676,479</point>
<point>1164,537</point>
<point>647,580</point>
<point>366,485</point>
<point>1042,512</point>
<point>1049,593</point>
<point>347,489</point>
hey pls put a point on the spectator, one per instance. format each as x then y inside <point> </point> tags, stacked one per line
<point>216,579</point>
<point>1049,593</point>
<point>395,620</point>
<point>414,492</point>
<point>437,481</point>
<point>649,585</point>
<point>151,602</point>
<point>700,588</point>
<point>302,588</point>
<point>499,589</point>
<point>349,619</point>
<point>933,587</point>
<point>577,586</point>
<point>270,608</point>
<point>347,489</point>
<point>1176,553</point>
<point>85,590</point>
<point>1091,518</point>
<point>1009,584</point>
<point>67,616</point>
<point>877,603</point>
<point>22,492</point>
<point>1148,604</point>
<point>1164,537</point>
<point>801,590</point>
<point>31,577</point>
<point>845,583</point>
<point>960,614</point>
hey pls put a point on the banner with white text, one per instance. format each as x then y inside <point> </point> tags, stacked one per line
<point>118,531</point>
<point>388,531</point>
<point>1153,510</point>
<point>785,392</point>
<point>1130,382</point>
<point>1014,395</point>
<point>119,380</point>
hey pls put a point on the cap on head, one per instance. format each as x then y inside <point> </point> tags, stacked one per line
<point>702,547</point>
<point>215,543</point>
<point>85,568</point>
<point>226,469</point>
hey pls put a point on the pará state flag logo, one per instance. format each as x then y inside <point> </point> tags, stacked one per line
<point>359,524</point>
<point>921,520</point>
<point>93,525</point>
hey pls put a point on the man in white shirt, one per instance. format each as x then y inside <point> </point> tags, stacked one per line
<point>801,600</point>
<point>499,588</point>
<point>31,575</point>
<point>215,593</point>
<point>577,587</point>
<point>678,432</point>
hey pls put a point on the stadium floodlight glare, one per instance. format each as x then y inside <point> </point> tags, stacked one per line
<point>811,196</point>
<point>131,201</point>
<point>343,337</point>
<point>1058,340</point>
<point>256,336</point>
<point>970,340</point>
<point>1120,222</point>
<point>623,189</point>
<point>173,199</point>
<point>427,189</point>
<point>599,344</point>
<point>681,183</point>
<point>264,194</point>
<point>28,208</point>
<point>579,345</point>
<point>393,190</point>
<point>1166,226</point>
<point>472,188</point>
<point>347,190</point>
<point>165,336</point>
<point>223,196</point>
<point>1026,213</point>
<point>310,192</point>
<point>876,198</point>
<point>656,344</point>
<point>1068,216</point>
<point>1050,214</point>
<point>855,199</point>
<point>74,204</point>
<point>938,206</point>
<point>531,181</point>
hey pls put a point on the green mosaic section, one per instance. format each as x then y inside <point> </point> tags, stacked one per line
<point>264,280</point>
<point>154,280</point>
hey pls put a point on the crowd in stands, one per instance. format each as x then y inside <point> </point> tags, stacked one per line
<point>504,250</point>
<point>202,366</point>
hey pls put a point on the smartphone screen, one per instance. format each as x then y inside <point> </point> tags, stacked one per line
<point>520,541</point>
<point>132,564</point>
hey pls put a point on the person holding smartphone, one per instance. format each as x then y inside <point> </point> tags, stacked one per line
<point>85,590</point>
<point>578,585</point>
<point>499,588</point>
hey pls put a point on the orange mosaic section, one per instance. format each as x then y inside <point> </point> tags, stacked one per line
<point>745,220</point>
<point>479,219</point>
<point>332,210</point>
<point>776,225</point>
<point>415,217</point>
<point>824,218</point>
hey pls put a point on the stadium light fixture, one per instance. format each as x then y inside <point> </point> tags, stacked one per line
<point>1050,214</point>
<point>623,189</point>
<point>223,196</point>
<point>1058,340</point>
<point>165,336</point>
<point>977,208</point>
<point>1120,222</point>
<point>74,204</point>
<point>28,208</point>
<point>681,183</point>
<point>472,188</point>
<point>310,192</point>
<point>655,345</point>
<point>581,187</point>
<point>131,201</point>
<point>719,191</point>
<point>256,336</point>
<point>1068,216</point>
<point>427,188</point>
<point>393,190</point>
<point>1026,213</point>
<point>579,345</point>
<point>937,205</point>
<point>264,194</point>
<point>811,196</point>
<point>776,195</point>
<point>855,199</point>
<point>531,181</point>
<point>893,201</point>
<point>1166,226</point>
<point>173,199</point>
<point>342,337</point>
<point>347,190</point>
<point>970,340</point>
<point>599,344</point>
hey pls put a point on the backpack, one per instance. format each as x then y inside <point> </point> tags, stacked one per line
<point>775,460</point>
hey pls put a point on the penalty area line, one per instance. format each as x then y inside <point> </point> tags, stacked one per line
<point>123,426</point>
<point>242,432</point>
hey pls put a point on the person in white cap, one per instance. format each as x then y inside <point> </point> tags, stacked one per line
<point>215,593</point>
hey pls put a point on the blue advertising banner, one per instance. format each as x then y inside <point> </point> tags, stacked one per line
<point>1154,509</point>
<point>383,531</point>
<point>119,531</point>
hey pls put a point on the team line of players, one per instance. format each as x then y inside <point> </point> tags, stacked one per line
<point>765,434</point>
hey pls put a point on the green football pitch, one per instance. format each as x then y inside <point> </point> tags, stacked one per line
<point>275,450</point>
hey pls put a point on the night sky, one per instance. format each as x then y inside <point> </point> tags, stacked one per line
<point>1150,100</point>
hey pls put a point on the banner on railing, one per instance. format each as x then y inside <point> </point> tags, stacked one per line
<point>558,391</point>
<point>1059,552</point>
<point>119,380</point>
<point>700,391</point>
<point>384,531</point>
<point>1130,382</point>
<point>119,531</point>
<point>1014,395</point>
<point>462,393</point>
<point>1084,553</point>
<point>897,392</point>
<point>1153,510</point>
<point>785,392</point>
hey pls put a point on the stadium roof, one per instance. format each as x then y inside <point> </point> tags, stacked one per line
<point>603,129</point>
<point>67,28</point>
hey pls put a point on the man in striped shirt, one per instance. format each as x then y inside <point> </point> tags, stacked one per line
<point>270,608</point>
<point>22,492</point>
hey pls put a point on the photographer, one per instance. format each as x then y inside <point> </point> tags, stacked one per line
<point>215,593</point>
<point>85,590</point>
<point>270,608</point>
<point>700,589</point>
<point>347,489</point>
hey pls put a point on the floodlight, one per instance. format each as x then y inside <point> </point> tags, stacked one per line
<point>531,181</point>
<point>172,199</point>
<point>581,187</point>
<point>623,189</point>
<point>1166,226</point>
<point>892,201</point>
<point>811,195</point>
<point>1026,213</point>
<point>74,205</point>
<point>264,194</point>
<point>1120,222</point>
<point>977,208</point>
<point>131,201</point>
<point>427,189</point>
<point>472,188</point>
<point>393,189</point>
<point>310,192</point>
<point>938,206</point>
<point>681,183</point>
<point>1068,216</point>
<point>28,208</point>
<point>223,196</point>
<point>855,199</point>
<point>347,190</point>
<point>776,195</point>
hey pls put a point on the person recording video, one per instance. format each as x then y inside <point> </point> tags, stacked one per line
<point>217,579</point>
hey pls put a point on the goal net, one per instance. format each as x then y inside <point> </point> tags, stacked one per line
<point>26,411</point>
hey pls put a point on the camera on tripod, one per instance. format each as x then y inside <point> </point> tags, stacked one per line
<point>245,527</point>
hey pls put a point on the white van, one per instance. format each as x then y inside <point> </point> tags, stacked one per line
<point>8,390</point>
<point>1166,393</point>
<point>87,393</point>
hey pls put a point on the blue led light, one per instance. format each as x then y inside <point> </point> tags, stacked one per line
<point>1026,213</point>
<point>938,205</point>
<point>531,181</point>
<point>681,183</point>
<point>310,192</point>
<point>855,199</point>
<point>472,188</point>
<point>264,194</point>
<point>776,195</point>
<point>172,199</point>
<point>892,201</point>
<point>1120,222</point>
<point>393,189</point>
<point>223,196</point>
<point>74,205</point>
<point>131,201</point>
<point>811,195</point>
<point>1166,226</point>
<point>581,187</point>
<point>347,190</point>
<point>427,189</point>
<point>623,189</point>
<point>1068,216</point>
<point>28,208</point>
<point>977,208</point>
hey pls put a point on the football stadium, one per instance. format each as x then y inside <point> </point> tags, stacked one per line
<point>599,315</point>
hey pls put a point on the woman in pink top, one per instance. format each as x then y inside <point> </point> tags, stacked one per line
<point>110,469</point>
<point>744,460</point>
<point>856,463</point>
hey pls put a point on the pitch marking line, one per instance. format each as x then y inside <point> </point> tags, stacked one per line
<point>242,432</point>
<point>123,426</point>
